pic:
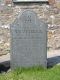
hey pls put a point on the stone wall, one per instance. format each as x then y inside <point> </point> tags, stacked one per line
<point>8,1</point>
<point>58,4</point>
<point>44,12</point>
<point>55,3</point>
<point>51,2</point>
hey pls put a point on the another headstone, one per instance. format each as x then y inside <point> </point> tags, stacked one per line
<point>28,41</point>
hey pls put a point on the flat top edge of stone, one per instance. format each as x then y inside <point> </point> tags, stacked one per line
<point>15,1</point>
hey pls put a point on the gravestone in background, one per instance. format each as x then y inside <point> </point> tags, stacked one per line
<point>28,41</point>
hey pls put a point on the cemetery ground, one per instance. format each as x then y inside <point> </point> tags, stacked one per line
<point>34,73</point>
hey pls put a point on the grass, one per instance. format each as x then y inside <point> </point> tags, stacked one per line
<point>34,73</point>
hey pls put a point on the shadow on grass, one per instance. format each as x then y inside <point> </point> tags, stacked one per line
<point>4,66</point>
<point>53,61</point>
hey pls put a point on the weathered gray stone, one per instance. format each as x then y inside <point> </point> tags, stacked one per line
<point>29,41</point>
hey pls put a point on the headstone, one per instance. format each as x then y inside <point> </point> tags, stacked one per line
<point>28,41</point>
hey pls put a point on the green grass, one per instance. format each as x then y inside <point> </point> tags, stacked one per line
<point>34,73</point>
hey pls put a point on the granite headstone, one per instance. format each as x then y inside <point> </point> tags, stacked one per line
<point>28,41</point>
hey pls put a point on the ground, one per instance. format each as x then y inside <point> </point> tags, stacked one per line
<point>34,73</point>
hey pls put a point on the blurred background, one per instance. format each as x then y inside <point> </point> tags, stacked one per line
<point>48,12</point>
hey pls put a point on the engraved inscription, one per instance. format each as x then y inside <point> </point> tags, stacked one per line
<point>28,19</point>
<point>28,31</point>
<point>29,34</point>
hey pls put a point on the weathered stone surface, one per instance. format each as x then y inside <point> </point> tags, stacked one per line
<point>29,41</point>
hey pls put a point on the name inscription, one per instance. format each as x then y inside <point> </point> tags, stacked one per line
<point>28,34</point>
